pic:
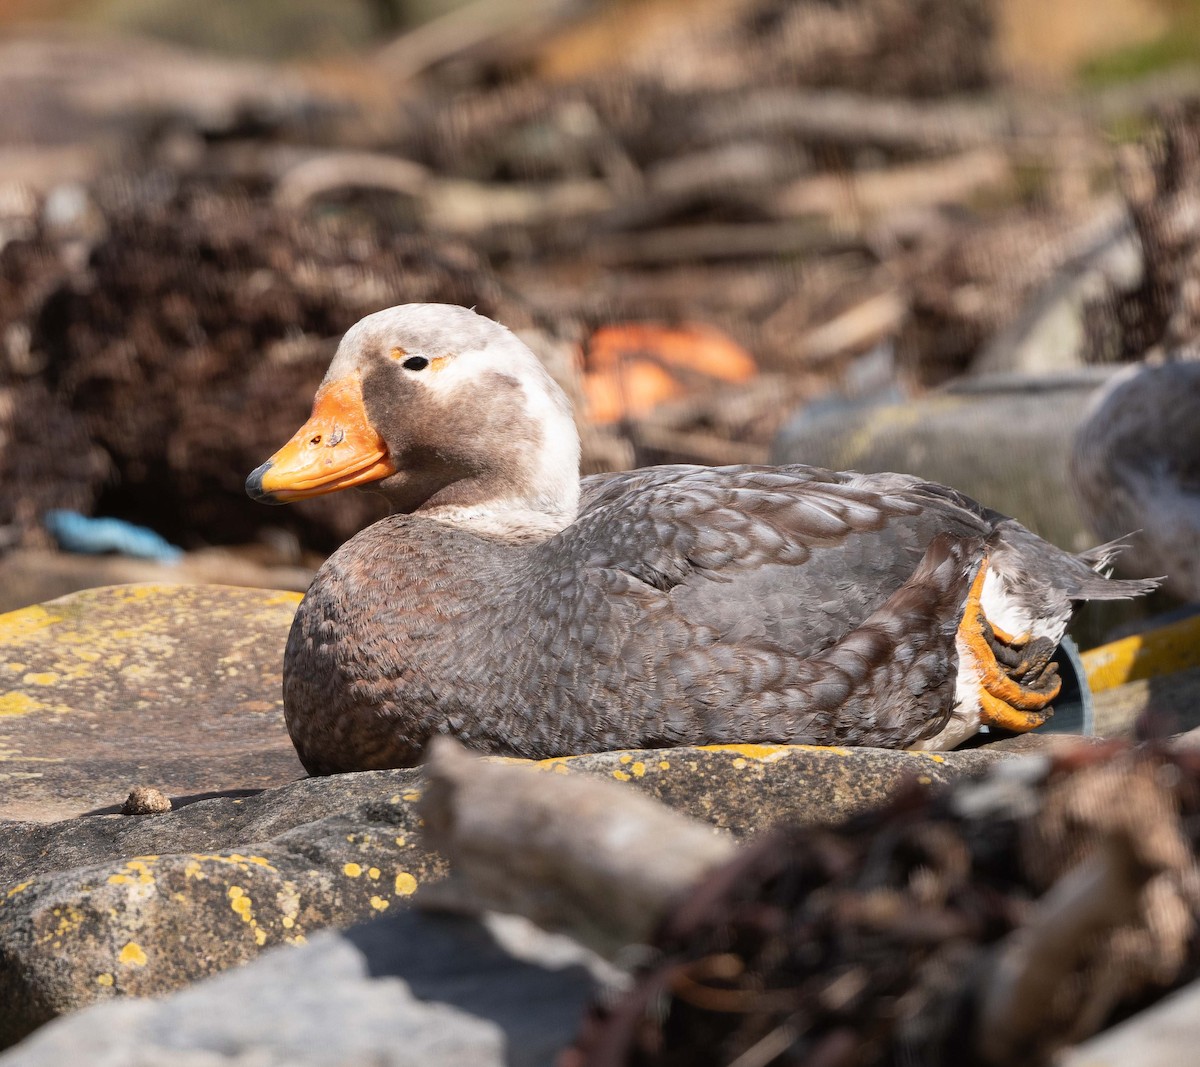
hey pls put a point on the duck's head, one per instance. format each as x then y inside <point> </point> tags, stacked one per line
<point>444,412</point>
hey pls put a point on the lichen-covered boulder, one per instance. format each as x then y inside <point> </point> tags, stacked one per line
<point>145,924</point>
<point>108,905</point>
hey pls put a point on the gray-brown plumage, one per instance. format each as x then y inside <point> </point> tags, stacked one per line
<point>528,615</point>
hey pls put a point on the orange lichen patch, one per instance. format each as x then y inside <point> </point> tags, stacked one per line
<point>555,764</point>
<point>621,776</point>
<point>194,868</point>
<point>379,904</point>
<point>352,870</point>
<point>405,884</point>
<point>105,979</point>
<point>631,368</point>
<point>19,624</point>
<point>240,902</point>
<point>1003,702</point>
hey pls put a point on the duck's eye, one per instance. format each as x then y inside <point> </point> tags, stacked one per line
<point>415,363</point>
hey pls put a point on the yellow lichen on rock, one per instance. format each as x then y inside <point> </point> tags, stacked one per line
<point>17,703</point>
<point>18,625</point>
<point>94,671</point>
<point>20,887</point>
<point>240,902</point>
<point>132,955</point>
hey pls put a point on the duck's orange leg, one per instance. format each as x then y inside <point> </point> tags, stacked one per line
<point>1004,701</point>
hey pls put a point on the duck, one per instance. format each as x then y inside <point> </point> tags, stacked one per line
<point>528,612</point>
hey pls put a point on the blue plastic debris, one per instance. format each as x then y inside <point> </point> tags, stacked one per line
<point>87,536</point>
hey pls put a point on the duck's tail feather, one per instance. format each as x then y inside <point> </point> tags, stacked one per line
<point>1082,576</point>
<point>1101,560</point>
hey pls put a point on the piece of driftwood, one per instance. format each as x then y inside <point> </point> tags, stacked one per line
<point>574,854</point>
<point>848,118</point>
<point>869,193</point>
<point>991,926</point>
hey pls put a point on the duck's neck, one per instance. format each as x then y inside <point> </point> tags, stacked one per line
<point>505,523</point>
<point>529,496</point>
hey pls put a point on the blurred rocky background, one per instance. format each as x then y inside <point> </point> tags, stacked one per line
<point>911,234</point>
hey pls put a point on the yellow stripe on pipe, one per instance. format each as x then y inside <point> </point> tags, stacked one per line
<point>1163,651</point>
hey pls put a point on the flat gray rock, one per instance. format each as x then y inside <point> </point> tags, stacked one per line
<point>411,990</point>
<point>175,687</point>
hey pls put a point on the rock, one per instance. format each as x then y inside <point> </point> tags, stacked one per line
<point>1148,683</point>
<point>1005,441</point>
<point>145,800</point>
<point>32,576</point>
<point>95,907</point>
<point>1164,1035</point>
<point>151,923</point>
<point>744,788</point>
<point>108,689</point>
<point>410,989</point>
<point>1171,703</point>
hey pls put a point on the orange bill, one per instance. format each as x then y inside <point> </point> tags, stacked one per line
<point>337,448</point>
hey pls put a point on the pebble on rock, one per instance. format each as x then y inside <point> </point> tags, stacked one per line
<point>146,800</point>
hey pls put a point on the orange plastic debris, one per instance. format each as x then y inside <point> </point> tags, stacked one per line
<point>633,367</point>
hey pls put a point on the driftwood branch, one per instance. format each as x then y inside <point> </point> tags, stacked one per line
<point>574,854</point>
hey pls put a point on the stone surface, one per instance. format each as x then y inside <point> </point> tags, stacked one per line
<point>1165,1035</point>
<point>149,923</point>
<point>1172,700</point>
<point>174,687</point>
<point>33,576</point>
<point>406,991</point>
<point>99,906</point>
<point>1005,441</point>
<point>745,788</point>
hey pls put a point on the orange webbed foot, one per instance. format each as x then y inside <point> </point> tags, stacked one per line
<point>1017,682</point>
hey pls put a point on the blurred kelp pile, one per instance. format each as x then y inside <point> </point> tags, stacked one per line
<point>699,214</point>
